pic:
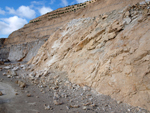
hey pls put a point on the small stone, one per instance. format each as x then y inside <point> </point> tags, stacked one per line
<point>84,108</point>
<point>7,67</point>
<point>85,88</point>
<point>21,84</point>
<point>1,93</point>
<point>56,76</point>
<point>4,74</point>
<point>12,73</point>
<point>55,88</point>
<point>86,104</point>
<point>28,95</point>
<point>71,100</point>
<point>32,69</point>
<point>43,92</point>
<point>74,106</point>
<point>37,96</point>
<point>9,76</point>
<point>67,107</point>
<point>119,102</point>
<point>56,102</point>
<point>127,14</point>
<point>45,73</point>
<point>93,105</point>
<point>47,107</point>
<point>104,16</point>
<point>64,95</point>
<point>15,68</point>
<point>26,91</point>
<point>16,93</point>
<point>56,95</point>
<point>127,20</point>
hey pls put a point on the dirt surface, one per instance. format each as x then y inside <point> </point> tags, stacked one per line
<point>64,97</point>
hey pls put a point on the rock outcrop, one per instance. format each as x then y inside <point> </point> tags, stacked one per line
<point>4,51</point>
<point>109,52</point>
<point>101,46</point>
<point>25,51</point>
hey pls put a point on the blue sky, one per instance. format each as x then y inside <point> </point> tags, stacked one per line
<point>14,14</point>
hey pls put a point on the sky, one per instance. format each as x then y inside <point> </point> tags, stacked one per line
<point>14,14</point>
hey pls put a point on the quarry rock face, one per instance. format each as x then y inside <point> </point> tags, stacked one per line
<point>24,52</point>
<point>109,54</point>
<point>104,46</point>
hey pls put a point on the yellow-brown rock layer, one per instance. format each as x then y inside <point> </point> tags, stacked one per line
<point>110,53</point>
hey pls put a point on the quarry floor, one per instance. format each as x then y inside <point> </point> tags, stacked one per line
<point>64,99</point>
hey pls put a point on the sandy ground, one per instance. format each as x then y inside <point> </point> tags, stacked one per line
<point>72,98</point>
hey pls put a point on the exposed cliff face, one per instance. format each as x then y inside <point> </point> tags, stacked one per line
<point>110,53</point>
<point>102,46</point>
<point>4,51</point>
<point>24,52</point>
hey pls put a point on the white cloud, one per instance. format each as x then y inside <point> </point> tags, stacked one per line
<point>45,10</point>
<point>81,1</point>
<point>22,11</point>
<point>8,25</point>
<point>34,4</point>
<point>25,11</point>
<point>38,2</point>
<point>11,10</point>
<point>2,11</point>
<point>65,3</point>
<point>52,1</point>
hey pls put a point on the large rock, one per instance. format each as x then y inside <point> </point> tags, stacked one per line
<point>24,52</point>
<point>109,55</point>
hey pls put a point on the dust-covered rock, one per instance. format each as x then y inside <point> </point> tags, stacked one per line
<point>21,84</point>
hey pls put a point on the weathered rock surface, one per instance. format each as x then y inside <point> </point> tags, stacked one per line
<point>24,52</point>
<point>109,54</point>
<point>4,50</point>
<point>103,47</point>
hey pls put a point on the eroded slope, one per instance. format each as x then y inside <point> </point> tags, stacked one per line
<point>109,53</point>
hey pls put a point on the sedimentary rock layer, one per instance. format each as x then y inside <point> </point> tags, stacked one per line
<point>110,53</point>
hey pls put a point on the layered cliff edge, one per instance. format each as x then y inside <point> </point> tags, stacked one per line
<point>104,46</point>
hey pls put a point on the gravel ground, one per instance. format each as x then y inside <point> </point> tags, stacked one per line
<point>22,95</point>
